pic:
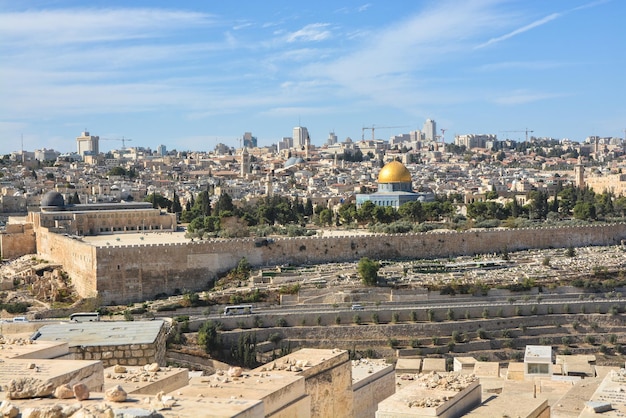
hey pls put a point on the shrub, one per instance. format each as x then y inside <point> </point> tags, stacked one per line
<point>395,317</point>
<point>258,322</point>
<point>435,340</point>
<point>275,338</point>
<point>375,318</point>
<point>506,333</point>
<point>393,343</point>
<point>450,314</point>
<point>337,320</point>
<point>281,322</point>
<point>533,310</point>
<point>431,315</point>
<point>482,334</point>
<point>612,338</point>
<point>413,316</point>
<point>457,336</point>
<point>590,339</point>
<point>415,343</point>
<point>356,319</point>
<point>318,320</point>
<point>486,313</point>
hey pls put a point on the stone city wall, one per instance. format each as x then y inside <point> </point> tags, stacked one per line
<point>139,272</point>
<point>77,258</point>
<point>19,239</point>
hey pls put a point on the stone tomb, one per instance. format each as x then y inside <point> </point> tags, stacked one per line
<point>144,406</point>
<point>280,395</point>
<point>146,380</point>
<point>48,374</point>
<point>26,349</point>
<point>433,395</point>
<point>609,398</point>
<point>372,381</point>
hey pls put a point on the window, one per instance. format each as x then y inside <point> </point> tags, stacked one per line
<point>538,368</point>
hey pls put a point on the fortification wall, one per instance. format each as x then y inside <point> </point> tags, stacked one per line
<point>18,240</point>
<point>139,272</point>
<point>78,259</point>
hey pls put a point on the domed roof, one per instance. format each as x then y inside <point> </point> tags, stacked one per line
<point>52,199</point>
<point>394,172</point>
<point>292,161</point>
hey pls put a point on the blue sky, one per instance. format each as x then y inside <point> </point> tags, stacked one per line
<point>190,74</point>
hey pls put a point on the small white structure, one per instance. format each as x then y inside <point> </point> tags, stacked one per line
<point>537,361</point>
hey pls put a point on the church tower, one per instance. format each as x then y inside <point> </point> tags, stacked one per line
<point>245,162</point>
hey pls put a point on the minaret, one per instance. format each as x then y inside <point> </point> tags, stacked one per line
<point>268,184</point>
<point>579,173</point>
<point>245,162</point>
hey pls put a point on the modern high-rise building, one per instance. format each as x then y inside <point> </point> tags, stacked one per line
<point>249,140</point>
<point>88,144</point>
<point>300,135</point>
<point>430,130</point>
<point>161,150</point>
<point>332,138</point>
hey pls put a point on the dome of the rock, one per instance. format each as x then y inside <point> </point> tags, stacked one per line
<point>394,172</point>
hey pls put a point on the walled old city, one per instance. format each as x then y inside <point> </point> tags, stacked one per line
<point>365,278</point>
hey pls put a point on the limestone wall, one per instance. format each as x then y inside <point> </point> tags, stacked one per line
<point>139,272</point>
<point>19,240</point>
<point>78,259</point>
<point>369,393</point>
<point>126,355</point>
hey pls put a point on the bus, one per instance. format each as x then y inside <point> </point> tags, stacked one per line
<point>85,317</point>
<point>238,310</point>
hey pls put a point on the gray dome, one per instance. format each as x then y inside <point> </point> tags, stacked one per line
<point>52,199</point>
<point>293,161</point>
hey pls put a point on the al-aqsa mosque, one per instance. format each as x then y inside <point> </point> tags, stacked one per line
<point>395,188</point>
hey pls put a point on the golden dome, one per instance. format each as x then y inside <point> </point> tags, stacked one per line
<point>394,172</point>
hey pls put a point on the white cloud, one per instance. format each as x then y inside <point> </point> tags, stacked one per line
<point>519,97</point>
<point>520,65</point>
<point>521,30</point>
<point>81,26</point>
<point>311,33</point>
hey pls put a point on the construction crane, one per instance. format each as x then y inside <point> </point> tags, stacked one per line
<point>117,139</point>
<point>526,131</point>
<point>373,129</point>
<point>443,132</point>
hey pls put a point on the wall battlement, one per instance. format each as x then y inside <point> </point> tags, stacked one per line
<point>125,273</point>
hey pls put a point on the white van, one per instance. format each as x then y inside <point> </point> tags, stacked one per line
<point>20,319</point>
<point>357,307</point>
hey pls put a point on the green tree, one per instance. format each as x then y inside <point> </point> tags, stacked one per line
<point>412,211</point>
<point>224,204</point>
<point>176,206</point>
<point>368,271</point>
<point>209,338</point>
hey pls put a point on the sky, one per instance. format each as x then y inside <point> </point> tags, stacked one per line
<point>192,74</point>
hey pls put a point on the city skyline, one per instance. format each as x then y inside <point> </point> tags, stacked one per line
<point>193,75</point>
